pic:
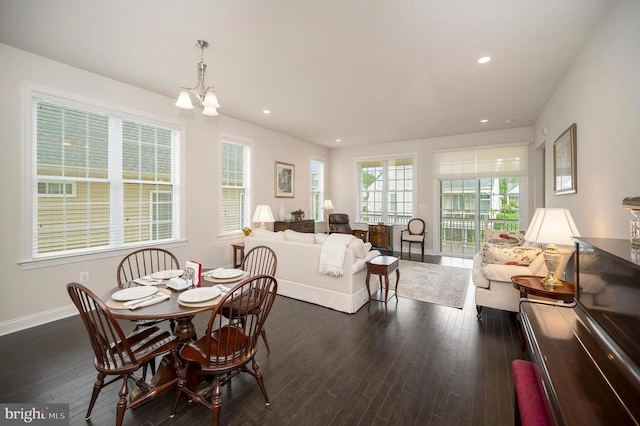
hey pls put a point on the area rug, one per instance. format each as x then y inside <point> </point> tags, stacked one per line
<point>427,282</point>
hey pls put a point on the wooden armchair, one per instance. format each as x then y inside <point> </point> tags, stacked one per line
<point>227,347</point>
<point>116,354</point>
<point>260,260</point>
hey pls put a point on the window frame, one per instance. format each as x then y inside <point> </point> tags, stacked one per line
<point>32,93</point>
<point>384,192</point>
<point>318,214</point>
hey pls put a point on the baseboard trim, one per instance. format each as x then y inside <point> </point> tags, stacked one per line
<point>34,320</point>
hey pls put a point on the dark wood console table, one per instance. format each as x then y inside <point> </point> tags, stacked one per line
<point>308,226</point>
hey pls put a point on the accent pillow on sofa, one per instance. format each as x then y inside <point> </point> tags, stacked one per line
<point>299,237</point>
<point>321,238</point>
<point>265,233</point>
<point>503,238</point>
<point>358,248</point>
<point>520,256</point>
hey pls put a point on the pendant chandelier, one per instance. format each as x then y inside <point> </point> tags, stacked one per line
<point>205,95</point>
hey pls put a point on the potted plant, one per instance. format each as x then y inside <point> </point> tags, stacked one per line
<point>297,214</point>
<point>247,231</point>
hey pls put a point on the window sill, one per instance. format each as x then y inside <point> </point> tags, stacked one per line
<point>84,257</point>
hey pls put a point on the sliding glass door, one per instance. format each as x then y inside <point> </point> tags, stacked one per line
<point>469,206</point>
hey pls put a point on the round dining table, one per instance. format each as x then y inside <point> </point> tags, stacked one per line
<point>183,314</point>
<point>167,309</point>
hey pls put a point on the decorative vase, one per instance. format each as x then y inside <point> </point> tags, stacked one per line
<point>282,213</point>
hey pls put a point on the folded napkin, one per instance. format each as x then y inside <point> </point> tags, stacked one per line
<point>147,280</point>
<point>146,301</point>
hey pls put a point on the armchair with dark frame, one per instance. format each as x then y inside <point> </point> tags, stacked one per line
<point>339,224</point>
<point>414,234</point>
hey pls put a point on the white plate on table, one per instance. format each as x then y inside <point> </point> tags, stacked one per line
<point>167,275</point>
<point>199,294</point>
<point>134,293</point>
<point>223,274</point>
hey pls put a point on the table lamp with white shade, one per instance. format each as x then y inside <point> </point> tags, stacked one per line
<point>327,206</point>
<point>552,227</point>
<point>262,214</point>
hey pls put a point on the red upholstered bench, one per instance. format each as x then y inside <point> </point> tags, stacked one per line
<point>530,406</point>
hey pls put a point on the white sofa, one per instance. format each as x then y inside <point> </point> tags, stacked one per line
<point>492,281</point>
<point>298,273</point>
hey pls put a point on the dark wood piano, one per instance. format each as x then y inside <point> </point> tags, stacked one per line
<point>588,353</point>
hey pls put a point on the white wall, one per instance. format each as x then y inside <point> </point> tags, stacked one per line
<point>601,94</point>
<point>31,296</point>
<point>343,178</point>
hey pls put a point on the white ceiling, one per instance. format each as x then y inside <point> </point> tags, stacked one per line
<point>364,71</point>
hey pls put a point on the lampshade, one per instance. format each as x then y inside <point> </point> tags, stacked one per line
<point>184,100</point>
<point>552,226</point>
<point>211,100</point>
<point>327,205</point>
<point>211,111</point>
<point>263,214</point>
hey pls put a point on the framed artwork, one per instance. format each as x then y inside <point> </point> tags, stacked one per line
<point>564,162</point>
<point>284,180</point>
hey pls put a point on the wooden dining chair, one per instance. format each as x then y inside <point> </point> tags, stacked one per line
<point>260,260</point>
<point>145,262</point>
<point>141,263</point>
<point>229,346</point>
<point>116,354</point>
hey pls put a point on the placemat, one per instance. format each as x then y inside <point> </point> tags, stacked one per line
<point>211,302</point>
<point>114,304</point>
<point>224,280</point>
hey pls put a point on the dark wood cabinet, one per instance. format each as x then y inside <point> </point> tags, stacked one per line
<point>381,237</point>
<point>308,226</point>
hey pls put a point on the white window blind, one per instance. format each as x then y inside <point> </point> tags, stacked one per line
<point>235,186</point>
<point>115,164</point>
<point>510,160</point>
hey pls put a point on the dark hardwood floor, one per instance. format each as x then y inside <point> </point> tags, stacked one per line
<point>421,364</point>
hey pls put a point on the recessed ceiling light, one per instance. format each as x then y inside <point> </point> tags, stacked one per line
<point>266,111</point>
<point>484,59</point>
<point>484,120</point>
<point>338,140</point>
<point>508,121</point>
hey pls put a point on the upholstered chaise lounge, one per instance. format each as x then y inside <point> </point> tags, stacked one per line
<point>498,261</point>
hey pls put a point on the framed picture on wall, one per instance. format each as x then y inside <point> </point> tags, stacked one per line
<point>564,162</point>
<point>284,180</point>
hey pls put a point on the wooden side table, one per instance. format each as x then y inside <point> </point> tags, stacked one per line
<point>238,254</point>
<point>383,266</point>
<point>530,284</point>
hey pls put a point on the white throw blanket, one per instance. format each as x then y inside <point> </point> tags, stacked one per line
<point>332,254</point>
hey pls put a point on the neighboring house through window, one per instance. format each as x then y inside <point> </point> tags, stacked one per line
<point>101,178</point>
<point>317,189</point>
<point>236,164</point>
